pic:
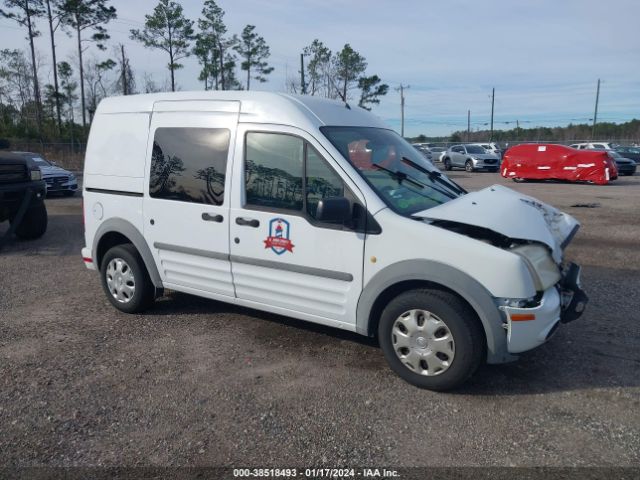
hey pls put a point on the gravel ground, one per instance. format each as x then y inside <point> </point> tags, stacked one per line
<point>195,382</point>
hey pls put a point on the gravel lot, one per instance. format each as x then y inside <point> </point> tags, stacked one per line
<point>196,382</point>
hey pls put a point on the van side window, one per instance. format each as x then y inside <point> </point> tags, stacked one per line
<point>274,170</point>
<point>321,181</point>
<point>189,164</point>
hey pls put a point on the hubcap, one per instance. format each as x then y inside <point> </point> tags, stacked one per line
<point>423,342</point>
<point>120,280</point>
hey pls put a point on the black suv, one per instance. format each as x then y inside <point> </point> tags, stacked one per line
<point>22,193</point>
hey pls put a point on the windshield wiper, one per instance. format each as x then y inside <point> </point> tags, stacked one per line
<point>401,176</point>
<point>435,176</point>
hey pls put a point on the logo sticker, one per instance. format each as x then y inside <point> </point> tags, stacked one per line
<point>278,239</point>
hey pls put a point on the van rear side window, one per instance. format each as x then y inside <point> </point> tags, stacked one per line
<point>189,164</point>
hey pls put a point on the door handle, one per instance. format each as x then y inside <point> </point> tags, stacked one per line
<point>248,222</point>
<point>207,217</point>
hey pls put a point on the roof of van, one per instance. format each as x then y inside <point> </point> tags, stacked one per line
<point>259,107</point>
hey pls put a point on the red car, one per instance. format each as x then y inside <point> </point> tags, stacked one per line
<point>558,162</point>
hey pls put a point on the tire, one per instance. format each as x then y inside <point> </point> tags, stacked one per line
<point>34,223</point>
<point>125,279</point>
<point>447,164</point>
<point>451,317</point>
<point>468,166</point>
<point>519,180</point>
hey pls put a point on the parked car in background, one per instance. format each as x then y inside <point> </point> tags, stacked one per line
<point>424,151</point>
<point>625,166</point>
<point>470,157</point>
<point>594,146</point>
<point>437,153</point>
<point>629,152</point>
<point>558,162</point>
<point>58,179</point>
<point>22,192</point>
<point>491,147</point>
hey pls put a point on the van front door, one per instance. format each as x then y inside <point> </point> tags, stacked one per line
<point>283,259</point>
<point>186,206</point>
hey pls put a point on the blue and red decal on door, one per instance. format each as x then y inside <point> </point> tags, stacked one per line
<point>279,237</point>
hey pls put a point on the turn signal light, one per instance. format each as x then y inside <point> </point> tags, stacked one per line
<point>522,317</point>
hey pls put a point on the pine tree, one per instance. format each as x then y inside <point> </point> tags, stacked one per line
<point>80,16</point>
<point>254,51</point>
<point>167,29</point>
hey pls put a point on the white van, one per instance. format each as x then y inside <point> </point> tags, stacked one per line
<point>317,210</point>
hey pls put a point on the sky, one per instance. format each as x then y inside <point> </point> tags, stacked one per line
<point>543,57</point>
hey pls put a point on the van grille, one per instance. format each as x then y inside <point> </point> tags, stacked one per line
<point>13,173</point>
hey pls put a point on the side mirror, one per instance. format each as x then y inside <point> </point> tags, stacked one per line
<point>334,210</point>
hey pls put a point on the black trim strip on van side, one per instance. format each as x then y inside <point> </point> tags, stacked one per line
<point>114,192</point>
<point>316,272</point>
<point>191,251</point>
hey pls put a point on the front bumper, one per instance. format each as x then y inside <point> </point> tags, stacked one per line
<point>484,164</point>
<point>528,328</point>
<point>626,169</point>
<point>55,185</point>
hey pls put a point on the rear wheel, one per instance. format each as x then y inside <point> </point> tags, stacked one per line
<point>468,166</point>
<point>34,223</point>
<point>125,279</point>
<point>447,164</point>
<point>431,339</point>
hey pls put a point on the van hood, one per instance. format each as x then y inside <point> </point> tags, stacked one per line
<point>509,213</point>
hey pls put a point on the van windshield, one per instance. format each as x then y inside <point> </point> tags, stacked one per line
<point>398,173</point>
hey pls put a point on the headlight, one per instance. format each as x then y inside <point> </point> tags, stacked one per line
<point>36,174</point>
<point>543,269</point>
<point>72,177</point>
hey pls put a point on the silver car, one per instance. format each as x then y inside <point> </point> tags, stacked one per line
<point>471,158</point>
<point>58,179</point>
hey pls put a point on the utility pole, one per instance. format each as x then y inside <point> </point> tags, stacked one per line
<point>517,129</point>
<point>595,114</point>
<point>303,87</point>
<point>401,90</point>
<point>124,71</point>
<point>468,124</point>
<point>493,97</point>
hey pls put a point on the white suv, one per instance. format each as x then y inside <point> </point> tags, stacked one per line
<point>594,146</point>
<point>316,210</point>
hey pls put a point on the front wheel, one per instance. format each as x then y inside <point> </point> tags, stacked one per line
<point>468,166</point>
<point>431,338</point>
<point>447,164</point>
<point>125,279</point>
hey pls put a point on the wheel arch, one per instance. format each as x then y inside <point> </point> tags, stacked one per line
<point>117,231</point>
<point>406,275</point>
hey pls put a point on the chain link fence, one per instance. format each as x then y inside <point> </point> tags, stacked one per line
<point>66,155</point>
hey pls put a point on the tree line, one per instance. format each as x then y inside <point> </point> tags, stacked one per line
<point>627,131</point>
<point>32,109</point>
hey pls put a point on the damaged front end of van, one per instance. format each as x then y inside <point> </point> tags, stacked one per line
<point>538,233</point>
